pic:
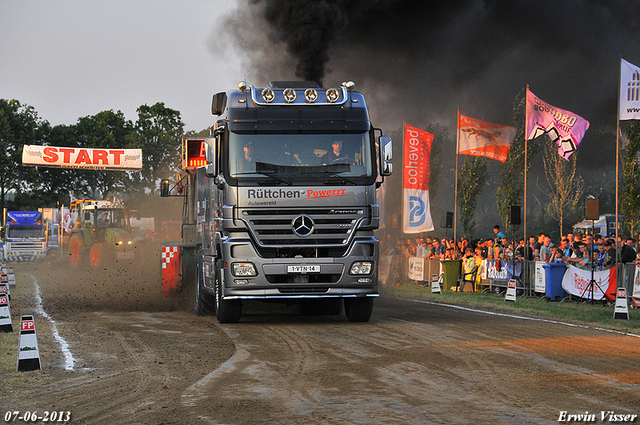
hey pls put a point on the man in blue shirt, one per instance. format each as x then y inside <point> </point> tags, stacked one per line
<point>499,234</point>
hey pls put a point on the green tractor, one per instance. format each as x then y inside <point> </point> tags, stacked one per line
<point>100,236</point>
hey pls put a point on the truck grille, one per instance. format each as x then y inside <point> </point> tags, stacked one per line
<point>331,232</point>
<point>35,248</point>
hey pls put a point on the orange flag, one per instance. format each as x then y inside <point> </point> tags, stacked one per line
<point>481,138</point>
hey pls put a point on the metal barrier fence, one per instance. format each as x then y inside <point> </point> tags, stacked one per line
<point>399,274</point>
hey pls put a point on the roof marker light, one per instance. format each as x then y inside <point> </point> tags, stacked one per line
<point>268,95</point>
<point>311,95</point>
<point>332,95</point>
<point>289,95</point>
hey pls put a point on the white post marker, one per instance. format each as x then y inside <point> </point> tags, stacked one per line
<point>11,276</point>
<point>4,289</point>
<point>511,291</point>
<point>28,352</point>
<point>4,280</point>
<point>6,325</point>
<point>622,309</point>
<point>435,284</point>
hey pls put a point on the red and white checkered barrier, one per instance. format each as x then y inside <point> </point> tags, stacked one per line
<point>171,260</point>
<point>168,253</point>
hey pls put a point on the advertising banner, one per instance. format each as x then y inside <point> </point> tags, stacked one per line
<point>416,268</point>
<point>635,295</point>
<point>416,211</point>
<point>481,138</point>
<point>502,270</point>
<point>564,128</point>
<point>629,91</point>
<point>577,282</point>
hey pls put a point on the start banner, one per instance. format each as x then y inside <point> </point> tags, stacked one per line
<point>82,158</point>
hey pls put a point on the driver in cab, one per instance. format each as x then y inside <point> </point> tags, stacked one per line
<point>336,154</point>
<point>103,220</point>
<point>247,161</point>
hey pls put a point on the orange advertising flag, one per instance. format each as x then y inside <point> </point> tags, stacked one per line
<point>481,138</point>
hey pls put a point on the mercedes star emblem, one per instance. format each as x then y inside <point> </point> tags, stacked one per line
<point>302,225</point>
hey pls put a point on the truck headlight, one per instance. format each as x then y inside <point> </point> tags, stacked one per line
<point>243,269</point>
<point>361,267</point>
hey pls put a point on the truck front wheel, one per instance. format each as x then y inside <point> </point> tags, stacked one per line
<point>358,309</point>
<point>204,302</point>
<point>227,311</point>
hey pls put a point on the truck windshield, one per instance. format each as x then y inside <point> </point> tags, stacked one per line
<point>300,155</point>
<point>25,232</point>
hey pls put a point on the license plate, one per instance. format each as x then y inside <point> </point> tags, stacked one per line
<point>303,269</point>
<point>126,255</point>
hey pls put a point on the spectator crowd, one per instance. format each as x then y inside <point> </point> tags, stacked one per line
<point>582,251</point>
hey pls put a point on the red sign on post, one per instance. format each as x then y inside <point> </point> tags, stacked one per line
<point>27,325</point>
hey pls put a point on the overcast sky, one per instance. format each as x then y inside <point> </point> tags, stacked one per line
<point>70,59</point>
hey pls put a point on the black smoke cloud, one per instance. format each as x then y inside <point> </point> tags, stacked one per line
<point>418,61</point>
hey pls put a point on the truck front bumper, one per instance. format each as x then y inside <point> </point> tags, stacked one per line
<point>301,277</point>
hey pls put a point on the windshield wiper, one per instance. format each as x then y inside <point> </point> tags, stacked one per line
<point>273,178</point>
<point>339,179</point>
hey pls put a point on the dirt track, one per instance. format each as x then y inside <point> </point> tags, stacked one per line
<point>141,359</point>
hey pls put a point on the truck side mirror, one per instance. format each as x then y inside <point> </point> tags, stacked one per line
<point>211,155</point>
<point>164,188</point>
<point>386,151</point>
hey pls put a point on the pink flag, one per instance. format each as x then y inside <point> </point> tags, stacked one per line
<point>564,128</point>
<point>481,138</point>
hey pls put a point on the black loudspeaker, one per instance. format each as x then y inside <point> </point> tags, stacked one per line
<point>514,215</point>
<point>592,211</point>
<point>449,221</point>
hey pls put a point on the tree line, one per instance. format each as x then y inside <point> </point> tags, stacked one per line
<point>157,131</point>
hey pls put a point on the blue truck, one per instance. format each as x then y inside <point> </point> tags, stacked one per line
<point>25,236</point>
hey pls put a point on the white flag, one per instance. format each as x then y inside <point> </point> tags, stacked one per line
<point>629,91</point>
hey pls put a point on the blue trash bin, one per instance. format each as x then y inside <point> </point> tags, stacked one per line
<point>553,273</point>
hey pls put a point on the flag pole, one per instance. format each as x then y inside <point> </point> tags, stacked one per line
<point>455,202</point>
<point>618,249</point>
<point>524,214</point>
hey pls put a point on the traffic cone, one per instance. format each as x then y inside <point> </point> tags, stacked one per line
<point>435,284</point>
<point>6,325</point>
<point>511,291</point>
<point>621,310</point>
<point>28,352</point>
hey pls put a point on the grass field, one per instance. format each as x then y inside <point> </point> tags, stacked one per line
<point>595,314</point>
